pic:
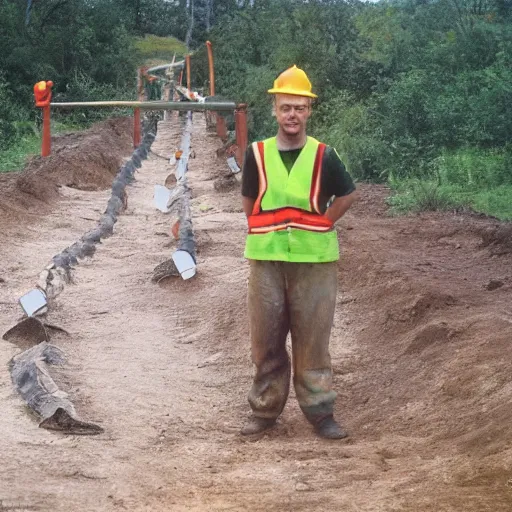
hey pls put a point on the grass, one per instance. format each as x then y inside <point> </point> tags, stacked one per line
<point>414,195</point>
<point>15,157</point>
<point>496,202</point>
<point>466,177</point>
<point>154,50</point>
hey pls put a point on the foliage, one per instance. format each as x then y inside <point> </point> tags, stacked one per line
<point>15,157</point>
<point>474,168</point>
<point>415,196</point>
<point>422,195</point>
<point>63,41</point>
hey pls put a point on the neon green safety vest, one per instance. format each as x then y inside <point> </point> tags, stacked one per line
<point>286,223</point>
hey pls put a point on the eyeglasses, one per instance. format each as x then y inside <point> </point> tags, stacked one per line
<point>300,109</point>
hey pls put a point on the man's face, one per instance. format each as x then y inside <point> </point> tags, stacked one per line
<point>292,113</point>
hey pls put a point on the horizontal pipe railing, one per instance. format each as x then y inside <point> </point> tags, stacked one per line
<point>150,105</point>
<point>181,63</point>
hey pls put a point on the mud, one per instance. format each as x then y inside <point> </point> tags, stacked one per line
<point>420,350</point>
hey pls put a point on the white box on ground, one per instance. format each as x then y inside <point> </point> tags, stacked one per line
<point>185,264</point>
<point>233,165</point>
<point>161,198</point>
<point>33,302</point>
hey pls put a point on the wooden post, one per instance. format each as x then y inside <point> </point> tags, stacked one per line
<point>46,143</point>
<point>187,61</point>
<point>242,135</point>
<point>167,97</point>
<point>136,111</point>
<point>222,131</point>
<point>210,67</point>
<point>136,127</point>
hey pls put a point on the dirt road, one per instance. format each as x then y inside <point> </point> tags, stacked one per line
<point>421,351</point>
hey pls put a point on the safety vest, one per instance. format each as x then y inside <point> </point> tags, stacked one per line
<point>286,223</point>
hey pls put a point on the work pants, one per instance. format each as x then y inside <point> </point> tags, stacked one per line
<point>299,298</point>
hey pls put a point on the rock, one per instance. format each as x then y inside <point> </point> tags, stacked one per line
<point>164,270</point>
<point>494,284</point>
<point>225,183</point>
<point>210,360</point>
<point>302,487</point>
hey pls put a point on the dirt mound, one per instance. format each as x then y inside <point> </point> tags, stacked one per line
<point>498,239</point>
<point>87,160</point>
<point>429,309</point>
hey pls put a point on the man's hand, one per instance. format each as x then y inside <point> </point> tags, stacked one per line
<point>340,205</point>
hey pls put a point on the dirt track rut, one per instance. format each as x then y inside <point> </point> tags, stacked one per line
<point>423,378</point>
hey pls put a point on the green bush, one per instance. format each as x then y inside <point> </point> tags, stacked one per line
<point>421,195</point>
<point>474,168</point>
<point>13,117</point>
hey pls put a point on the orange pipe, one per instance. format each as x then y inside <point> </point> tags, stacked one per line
<point>210,67</point>
<point>141,93</point>
<point>136,127</point>
<point>187,61</point>
<point>46,143</point>
<point>43,97</point>
<point>242,136</point>
<point>136,111</point>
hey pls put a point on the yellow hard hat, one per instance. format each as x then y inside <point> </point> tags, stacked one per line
<point>293,81</point>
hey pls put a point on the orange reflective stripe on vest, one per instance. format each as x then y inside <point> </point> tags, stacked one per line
<point>317,176</point>
<point>284,218</point>
<point>259,154</point>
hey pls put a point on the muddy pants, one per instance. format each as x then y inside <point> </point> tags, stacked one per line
<point>299,298</point>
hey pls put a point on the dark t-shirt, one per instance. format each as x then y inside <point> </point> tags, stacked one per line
<point>335,180</point>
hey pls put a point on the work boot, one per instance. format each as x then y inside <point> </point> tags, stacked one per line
<point>256,425</point>
<point>329,429</point>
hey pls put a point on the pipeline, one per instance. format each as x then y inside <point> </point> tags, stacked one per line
<point>29,369</point>
<point>183,261</point>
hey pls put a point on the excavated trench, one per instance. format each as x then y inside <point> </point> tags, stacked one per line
<point>420,350</point>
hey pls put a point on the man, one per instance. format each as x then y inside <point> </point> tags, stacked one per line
<point>288,182</point>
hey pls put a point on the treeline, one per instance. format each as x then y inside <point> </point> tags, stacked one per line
<point>406,88</point>
<point>80,45</point>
